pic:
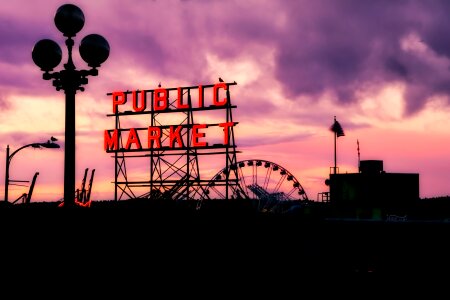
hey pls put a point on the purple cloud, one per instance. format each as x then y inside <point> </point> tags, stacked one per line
<point>343,46</point>
<point>320,46</point>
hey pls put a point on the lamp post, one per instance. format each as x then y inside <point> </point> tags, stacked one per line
<point>46,54</point>
<point>49,144</point>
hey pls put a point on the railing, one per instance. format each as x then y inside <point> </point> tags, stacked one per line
<point>334,170</point>
<point>323,197</point>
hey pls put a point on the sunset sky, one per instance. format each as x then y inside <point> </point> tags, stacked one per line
<point>381,67</point>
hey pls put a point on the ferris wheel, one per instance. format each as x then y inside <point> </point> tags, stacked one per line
<point>268,183</point>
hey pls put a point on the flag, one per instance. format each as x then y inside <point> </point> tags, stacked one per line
<point>337,128</point>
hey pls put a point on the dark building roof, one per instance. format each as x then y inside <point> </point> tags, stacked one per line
<point>373,187</point>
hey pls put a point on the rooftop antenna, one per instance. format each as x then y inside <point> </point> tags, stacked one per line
<point>359,157</point>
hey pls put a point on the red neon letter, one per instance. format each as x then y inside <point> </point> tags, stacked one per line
<point>118,99</point>
<point>175,134</point>
<point>200,96</point>
<point>180,104</point>
<point>137,108</point>
<point>160,102</point>
<point>154,137</point>
<point>217,86</point>
<point>196,135</point>
<point>226,126</point>
<point>133,138</point>
<point>111,142</point>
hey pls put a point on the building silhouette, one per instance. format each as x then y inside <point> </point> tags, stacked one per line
<point>373,192</point>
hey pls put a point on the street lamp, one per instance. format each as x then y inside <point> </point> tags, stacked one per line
<point>46,54</point>
<point>49,144</point>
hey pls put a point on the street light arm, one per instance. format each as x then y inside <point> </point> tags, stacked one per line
<point>48,76</point>
<point>34,145</point>
<point>92,72</point>
<point>69,79</point>
<point>9,157</point>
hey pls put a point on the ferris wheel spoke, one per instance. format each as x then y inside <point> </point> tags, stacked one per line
<point>289,194</point>
<point>267,181</point>
<point>269,187</point>
<point>278,185</point>
<point>222,196</point>
<point>242,181</point>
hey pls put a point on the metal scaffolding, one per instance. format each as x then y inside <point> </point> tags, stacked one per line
<point>174,172</point>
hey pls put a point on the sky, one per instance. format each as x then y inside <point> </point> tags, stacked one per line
<point>381,67</point>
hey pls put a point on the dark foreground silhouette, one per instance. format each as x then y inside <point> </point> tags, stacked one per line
<point>223,237</point>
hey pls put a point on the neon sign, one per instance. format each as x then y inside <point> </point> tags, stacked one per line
<point>171,136</point>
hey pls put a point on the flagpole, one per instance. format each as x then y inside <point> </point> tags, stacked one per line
<point>335,138</point>
<point>338,131</point>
